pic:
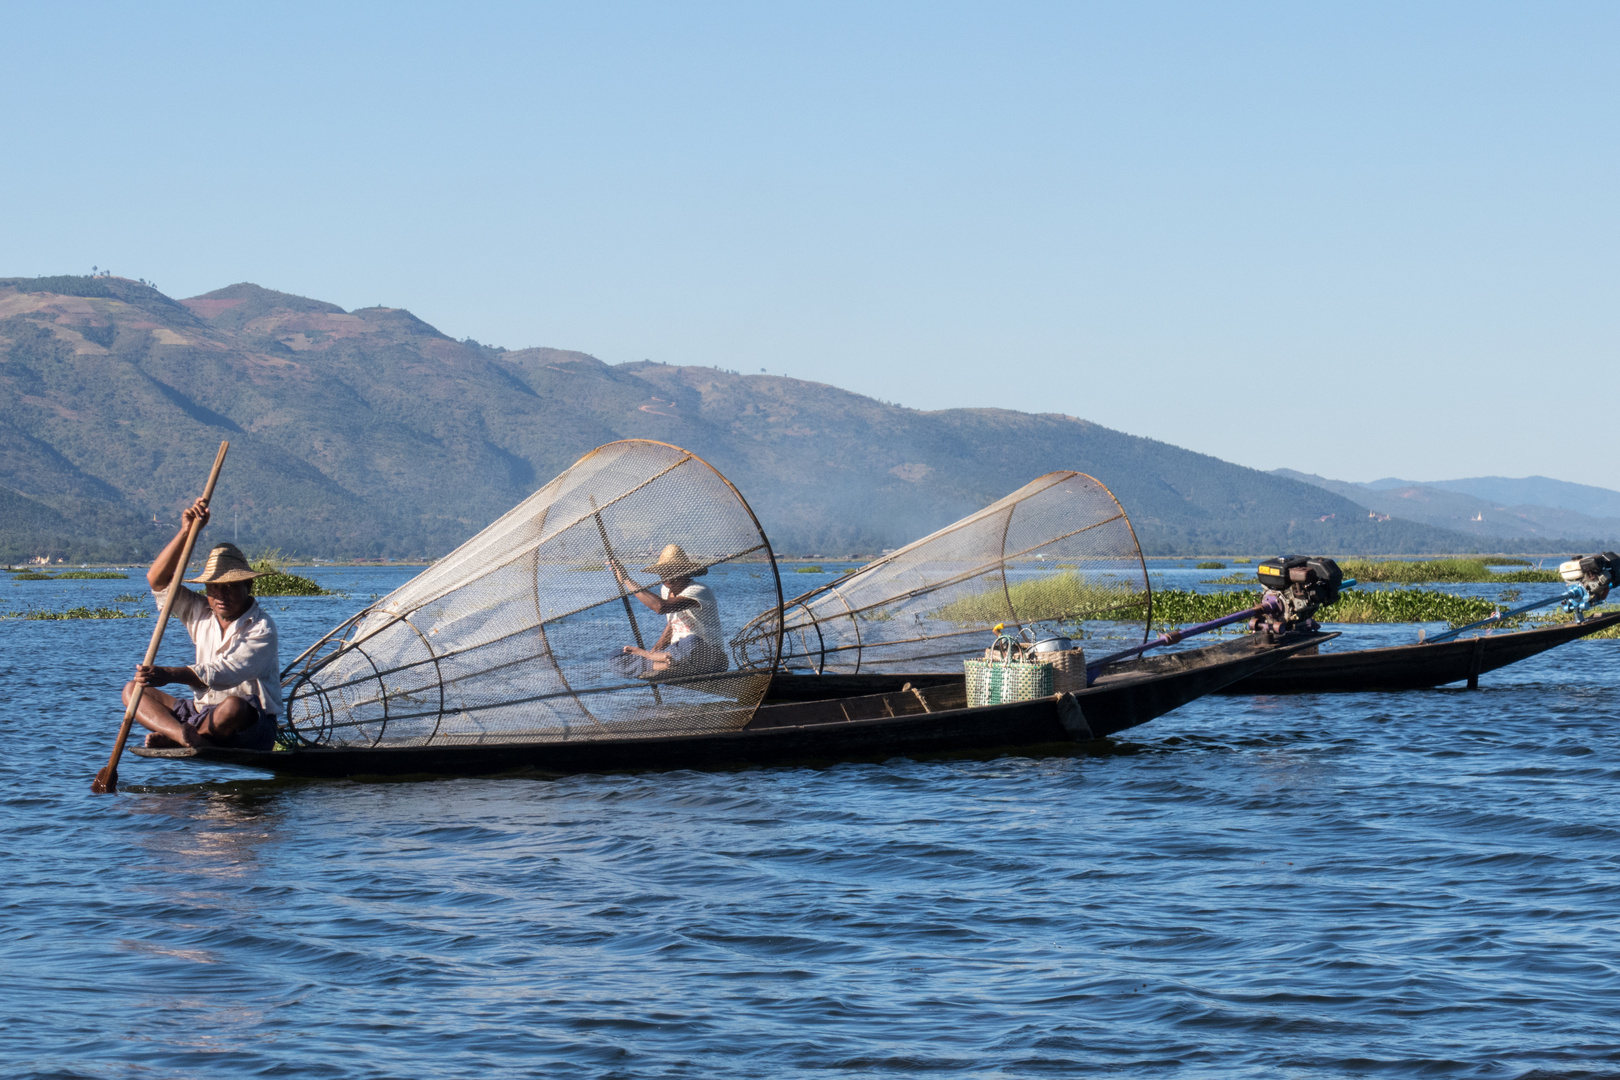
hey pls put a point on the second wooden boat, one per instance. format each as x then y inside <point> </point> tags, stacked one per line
<point>1412,667</point>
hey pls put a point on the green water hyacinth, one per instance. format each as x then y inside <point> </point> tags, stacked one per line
<point>1181,607</point>
<point>80,613</point>
<point>1060,596</point>
<point>1439,570</point>
<point>277,582</point>
<point>287,585</point>
<point>1436,571</point>
<point>1558,617</point>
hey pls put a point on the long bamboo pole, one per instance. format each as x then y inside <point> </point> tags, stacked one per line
<point>106,781</point>
<point>630,612</point>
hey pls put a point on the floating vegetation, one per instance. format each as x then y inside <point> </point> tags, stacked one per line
<point>277,582</point>
<point>1209,566</point>
<point>807,570</point>
<point>1061,596</point>
<point>79,613</point>
<point>1408,605</point>
<point>287,585</point>
<point>1439,570</point>
<point>1558,617</point>
<point>589,568</point>
<point>126,598</point>
<point>1176,607</point>
<point>66,575</point>
<point>1427,571</point>
<point>1181,607</point>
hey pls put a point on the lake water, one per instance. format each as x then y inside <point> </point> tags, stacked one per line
<point>1424,884</point>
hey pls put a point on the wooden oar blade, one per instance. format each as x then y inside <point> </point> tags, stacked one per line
<point>106,781</point>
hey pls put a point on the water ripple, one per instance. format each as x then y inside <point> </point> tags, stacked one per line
<point>1372,885</point>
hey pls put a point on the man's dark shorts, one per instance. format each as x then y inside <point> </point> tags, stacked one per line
<point>258,735</point>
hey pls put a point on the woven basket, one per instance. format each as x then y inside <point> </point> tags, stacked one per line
<point>1068,670</point>
<point>998,681</point>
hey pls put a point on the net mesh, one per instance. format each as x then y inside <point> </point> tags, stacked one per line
<point>518,635</point>
<point>1059,550</point>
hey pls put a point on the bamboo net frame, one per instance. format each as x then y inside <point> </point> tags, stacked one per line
<point>518,635</point>
<point>1059,551</point>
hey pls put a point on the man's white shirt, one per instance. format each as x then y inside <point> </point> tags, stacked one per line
<point>694,624</point>
<point>240,660</point>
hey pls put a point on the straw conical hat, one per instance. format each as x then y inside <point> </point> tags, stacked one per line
<point>226,563</point>
<point>673,562</point>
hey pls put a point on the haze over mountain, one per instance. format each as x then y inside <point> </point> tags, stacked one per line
<point>369,432</point>
<point>1584,499</point>
<point>1445,506</point>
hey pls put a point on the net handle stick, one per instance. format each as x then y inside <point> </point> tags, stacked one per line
<point>106,781</point>
<point>630,612</point>
<point>1572,593</point>
<point>1172,638</point>
<point>1175,636</point>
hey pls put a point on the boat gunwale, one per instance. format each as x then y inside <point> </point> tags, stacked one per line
<point>1035,710</point>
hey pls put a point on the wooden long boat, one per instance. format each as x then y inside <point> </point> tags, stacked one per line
<point>821,718</point>
<point>1411,667</point>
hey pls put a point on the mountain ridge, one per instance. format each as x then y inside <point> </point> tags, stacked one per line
<point>371,433</point>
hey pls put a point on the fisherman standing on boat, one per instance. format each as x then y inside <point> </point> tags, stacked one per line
<point>692,642</point>
<point>237,674</point>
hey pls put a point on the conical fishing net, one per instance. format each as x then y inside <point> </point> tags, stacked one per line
<point>1058,551</point>
<point>519,634</point>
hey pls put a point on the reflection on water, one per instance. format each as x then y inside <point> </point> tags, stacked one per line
<point>217,833</point>
<point>1420,884</point>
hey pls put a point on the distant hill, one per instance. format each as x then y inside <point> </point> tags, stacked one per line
<point>1582,499</point>
<point>1539,491</point>
<point>1489,521</point>
<point>370,433</point>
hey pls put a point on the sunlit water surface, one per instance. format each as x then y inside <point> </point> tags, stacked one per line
<point>1374,885</point>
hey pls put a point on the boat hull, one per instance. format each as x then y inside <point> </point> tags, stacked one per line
<point>1411,667</point>
<point>897,720</point>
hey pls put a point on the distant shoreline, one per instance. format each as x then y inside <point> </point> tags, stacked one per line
<point>1239,560</point>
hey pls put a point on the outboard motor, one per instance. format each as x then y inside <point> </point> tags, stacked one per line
<point>1296,586</point>
<point>1597,574</point>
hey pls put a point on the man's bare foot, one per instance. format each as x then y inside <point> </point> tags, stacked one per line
<point>189,736</point>
<point>154,741</point>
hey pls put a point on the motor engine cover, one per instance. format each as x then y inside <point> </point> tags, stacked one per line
<point>1318,575</point>
<point>1296,586</point>
<point>1597,574</point>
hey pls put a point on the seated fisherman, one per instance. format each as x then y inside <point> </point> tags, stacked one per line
<point>692,642</point>
<point>237,674</point>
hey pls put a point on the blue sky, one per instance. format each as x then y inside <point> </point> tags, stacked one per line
<point>1361,240</point>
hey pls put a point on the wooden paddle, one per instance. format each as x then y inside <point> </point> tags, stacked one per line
<point>106,781</point>
<point>635,628</point>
